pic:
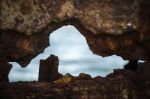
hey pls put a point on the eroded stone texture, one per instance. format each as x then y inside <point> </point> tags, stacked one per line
<point>108,16</point>
<point>20,47</point>
<point>110,26</point>
<point>49,69</point>
<point>114,26</point>
<point>119,85</point>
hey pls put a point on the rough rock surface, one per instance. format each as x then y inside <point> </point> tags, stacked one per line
<point>19,47</point>
<point>109,16</point>
<point>110,26</point>
<point>119,85</point>
<point>119,27</point>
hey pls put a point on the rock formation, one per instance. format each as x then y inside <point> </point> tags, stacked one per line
<point>119,27</point>
<point>5,67</point>
<point>69,87</point>
<point>115,26</point>
<point>132,65</point>
<point>143,80</point>
<point>49,69</point>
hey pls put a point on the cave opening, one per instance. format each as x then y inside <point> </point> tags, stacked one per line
<point>75,57</point>
<point>74,54</point>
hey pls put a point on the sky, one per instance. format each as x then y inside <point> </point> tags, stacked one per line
<point>75,57</point>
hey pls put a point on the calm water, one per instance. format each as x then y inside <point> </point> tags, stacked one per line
<point>75,57</point>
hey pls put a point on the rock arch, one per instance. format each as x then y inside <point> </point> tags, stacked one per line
<point>110,26</point>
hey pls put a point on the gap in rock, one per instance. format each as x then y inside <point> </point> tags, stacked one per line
<point>133,65</point>
<point>141,61</point>
<point>75,57</point>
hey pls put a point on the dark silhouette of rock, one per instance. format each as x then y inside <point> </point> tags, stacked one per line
<point>5,67</point>
<point>132,65</point>
<point>119,86</point>
<point>143,79</point>
<point>49,69</point>
<point>84,76</point>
